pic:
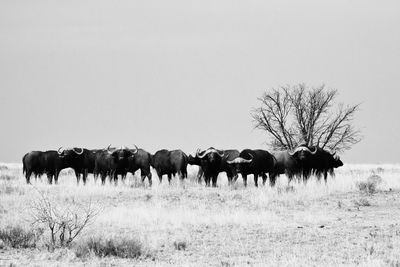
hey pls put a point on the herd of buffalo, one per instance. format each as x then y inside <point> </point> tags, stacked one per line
<point>300,163</point>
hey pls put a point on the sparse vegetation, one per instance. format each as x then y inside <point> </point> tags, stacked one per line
<point>18,237</point>
<point>369,186</point>
<point>104,247</point>
<point>180,245</point>
<point>362,202</point>
<point>64,223</point>
<point>193,225</point>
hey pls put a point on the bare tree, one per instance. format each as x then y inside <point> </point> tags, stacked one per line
<point>64,223</point>
<point>294,115</point>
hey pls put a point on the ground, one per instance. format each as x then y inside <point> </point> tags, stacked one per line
<point>186,224</point>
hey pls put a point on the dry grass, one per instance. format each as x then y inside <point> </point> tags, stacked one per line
<point>187,224</point>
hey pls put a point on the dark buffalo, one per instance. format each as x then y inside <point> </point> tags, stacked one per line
<point>121,161</point>
<point>210,162</point>
<point>140,159</point>
<point>39,163</point>
<point>104,165</point>
<point>323,162</point>
<point>81,160</point>
<point>257,162</point>
<point>33,163</point>
<point>304,158</point>
<point>53,165</point>
<point>304,161</point>
<point>170,163</point>
<point>286,164</point>
<point>230,170</point>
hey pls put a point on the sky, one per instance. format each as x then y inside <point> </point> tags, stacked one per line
<point>186,74</point>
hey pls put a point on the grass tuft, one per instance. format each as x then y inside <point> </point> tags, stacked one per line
<point>362,203</point>
<point>369,186</point>
<point>120,247</point>
<point>17,237</point>
<point>180,245</point>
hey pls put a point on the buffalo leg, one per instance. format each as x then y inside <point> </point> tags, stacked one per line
<point>207,181</point>
<point>264,178</point>
<point>148,177</point>
<point>326,177</point>
<point>103,177</point>
<point>115,178</point>
<point>244,180</point>
<point>56,177</point>
<point>84,176</point>
<point>78,177</point>
<point>200,174</point>
<point>272,179</point>
<point>49,178</point>
<point>159,176</point>
<point>256,179</point>
<point>214,181</point>
<point>28,177</point>
<point>229,176</point>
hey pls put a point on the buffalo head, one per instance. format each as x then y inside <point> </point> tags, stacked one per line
<point>302,153</point>
<point>211,154</point>
<point>69,153</point>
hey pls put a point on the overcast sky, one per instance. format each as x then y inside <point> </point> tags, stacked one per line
<point>186,74</point>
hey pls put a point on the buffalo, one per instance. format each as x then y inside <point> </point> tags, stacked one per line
<point>210,162</point>
<point>257,162</point>
<point>170,163</point>
<point>230,170</point>
<point>305,161</point>
<point>81,160</point>
<point>140,159</point>
<point>39,163</point>
<point>104,165</point>
<point>323,162</point>
<point>120,164</point>
<point>33,163</point>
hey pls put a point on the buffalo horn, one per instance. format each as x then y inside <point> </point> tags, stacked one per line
<point>79,153</point>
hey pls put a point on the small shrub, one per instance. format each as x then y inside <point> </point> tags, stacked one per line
<point>370,185</point>
<point>367,187</point>
<point>362,203</point>
<point>17,237</point>
<point>180,245</point>
<point>121,247</point>
<point>3,167</point>
<point>374,178</point>
<point>63,223</point>
<point>7,177</point>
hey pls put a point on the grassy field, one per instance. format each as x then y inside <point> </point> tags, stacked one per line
<point>352,220</point>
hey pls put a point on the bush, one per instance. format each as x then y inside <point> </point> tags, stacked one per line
<point>63,223</point>
<point>362,203</point>
<point>17,237</point>
<point>370,185</point>
<point>367,187</point>
<point>7,177</point>
<point>121,247</point>
<point>180,245</point>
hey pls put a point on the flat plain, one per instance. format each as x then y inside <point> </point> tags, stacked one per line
<point>340,223</point>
